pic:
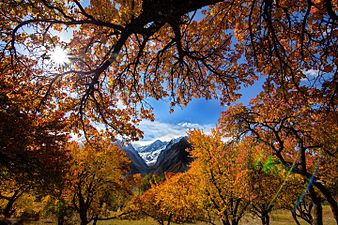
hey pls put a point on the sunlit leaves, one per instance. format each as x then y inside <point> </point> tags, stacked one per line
<point>289,124</point>
<point>97,186</point>
<point>223,171</point>
<point>127,51</point>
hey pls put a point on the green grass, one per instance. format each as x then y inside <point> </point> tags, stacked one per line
<point>279,217</point>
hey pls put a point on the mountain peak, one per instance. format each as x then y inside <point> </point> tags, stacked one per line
<point>149,153</point>
<point>152,147</point>
<point>160,156</point>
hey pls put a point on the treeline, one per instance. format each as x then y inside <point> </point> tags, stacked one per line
<point>228,179</point>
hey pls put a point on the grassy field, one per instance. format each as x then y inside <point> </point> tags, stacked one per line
<point>279,217</point>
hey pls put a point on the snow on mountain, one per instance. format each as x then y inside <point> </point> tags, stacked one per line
<point>150,153</point>
<point>152,147</point>
<point>151,157</point>
<point>174,141</point>
<point>158,157</point>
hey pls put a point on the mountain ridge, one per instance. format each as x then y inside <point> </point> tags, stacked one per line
<point>149,153</point>
<point>159,157</point>
<point>151,147</point>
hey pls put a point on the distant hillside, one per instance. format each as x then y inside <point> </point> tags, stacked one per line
<point>138,164</point>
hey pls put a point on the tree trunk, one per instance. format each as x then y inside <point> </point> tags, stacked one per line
<point>61,219</point>
<point>295,218</point>
<point>84,219</point>
<point>234,222</point>
<point>83,208</point>
<point>265,218</point>
<point>318,209</point>
<point>329,198</point>
<point>61,213</point>
<point>318,214</point>
<point>169,219</point>
<point>160,221</point>
<point>84,222</point>
<point>8,211</point>
<point>225,222</point>
<point>95,220</point>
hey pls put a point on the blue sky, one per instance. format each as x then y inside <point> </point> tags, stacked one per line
<point>199,114</point>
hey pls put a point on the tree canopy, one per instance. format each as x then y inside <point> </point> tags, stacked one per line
<point>123,52</point>
<point>120,54</point>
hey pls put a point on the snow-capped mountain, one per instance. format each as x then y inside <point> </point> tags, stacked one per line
<point>158,157</point>
<point>152,147</point>
<point>150,153</point>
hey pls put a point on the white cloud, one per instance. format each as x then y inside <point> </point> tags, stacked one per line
<point>166,131</point>
<point>311,73</point>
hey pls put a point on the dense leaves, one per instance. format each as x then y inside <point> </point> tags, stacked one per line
<point>123,52</point>
<point>96,185</point>
<point>223,171</point>
<point>292,127</point>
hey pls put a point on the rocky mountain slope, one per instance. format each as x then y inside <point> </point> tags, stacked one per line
<point>174,158</point>
<point>138,165</point>
<point>160,157</point>
<point>150,153</point>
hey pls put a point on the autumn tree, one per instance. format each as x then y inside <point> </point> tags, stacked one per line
<point>172,200</point>
<point>32,155</point>
<point>123,52</point>
<point>273,186</point>
<point>223,170</point>
<point>264,179</point>
<point>292,127</point>
<point>146,205</point>
<point>179,197</point>
<point>97,186</point>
